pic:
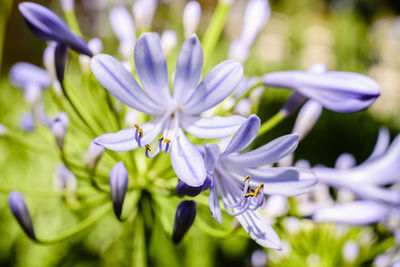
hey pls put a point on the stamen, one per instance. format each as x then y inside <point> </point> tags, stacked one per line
<point>246,178</point>
<point>257,191</point>
<point>147,147</point>
<point>167,140</point>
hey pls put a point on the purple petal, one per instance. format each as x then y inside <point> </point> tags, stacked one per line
<point>213,202</point>
<point>267,154</point>
<point>46,25</point>
<point>337,91</point>
<point>345,161</point>
<point>381,144</point>
<point>188,69</point>
<point>121,84</point>
<point>284,181</point>
<point>151,68</point>
<point>211,157</point>
<point>211,127</point>
<point>24,74</point>
<point>244,136</point>
<point>307,118</point>
<point>215,87</point>
<point>124,140</point>
<point>354,213</point>
<point>187,162</point>
<point>60,60</point>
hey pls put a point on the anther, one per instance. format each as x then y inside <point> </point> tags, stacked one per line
<point>148,147</point>
<point>140,130</point>
<point>161,138</point>
<point>167,140</point>
<point>246,178</point>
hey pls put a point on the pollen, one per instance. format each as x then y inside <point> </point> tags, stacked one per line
<point>167,140</point>
<point>246,178</point>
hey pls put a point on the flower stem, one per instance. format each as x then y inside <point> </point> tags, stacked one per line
<point>72,22</point>
<point>271,123</point>
<point>214,29</point>
<point>93,218</point>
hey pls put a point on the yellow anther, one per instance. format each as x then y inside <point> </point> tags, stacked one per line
<point>139,130</point>
<point>249,194</point>
<point>161,138</point>
<point>148,147</point>
<point>261,186</point>
<point>137,127</point>
<point>166,140</point>
<point>256,192</point>
<point>246,178</point>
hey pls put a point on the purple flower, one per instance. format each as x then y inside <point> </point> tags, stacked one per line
<point>32,79</point>
<point>371,179</point>
<point>118,187</point>
<point>18,207</point>
<point>234,175</point>
<point>173,113</point>
<point>335,90</point>
<point>46,25</point>
<point>184,218</point>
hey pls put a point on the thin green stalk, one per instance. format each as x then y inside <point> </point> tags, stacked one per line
<point>72,22</point>
<point>271,123</point>
<point>215,28</point>
<point>89,221</point>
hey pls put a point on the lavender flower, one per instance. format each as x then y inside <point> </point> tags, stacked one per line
<point>369,180</point>
<point>173,112</point>
<point>18,207</point>
<point>118,187</point>
<point>227,170</point>
<point>335,90</point>
<point>184,218</point>
<point>46,25</point>
<point>32,79</point>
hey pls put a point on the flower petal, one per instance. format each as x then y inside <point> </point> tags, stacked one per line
<point>259,229</point>
<point>151,68</point>
<point>211,127</point>
<point>335,90</point>
<point>215,87</point>
<point>267,154</point>
<point>213,202</point>
<point>124,140</point>
<point>354,213</point>
<point>381,144</point>
<point>284,181</point>
<point>244,136</point>
<point>211,156</point>
<point>23,74</point>
<point>187,162</point>
<point>121,84</point>
<point>46,25</point>
<point>188,69</point>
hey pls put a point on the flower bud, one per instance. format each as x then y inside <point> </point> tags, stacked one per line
<point>243,107</point>
<point>118,187</point>
<point>168,41</point>
<point>18,207</point>
<point>59,127</point>
<point>238,50</point>
<point>48,59</point>
<point>307,117</point>
<point>345,161</point>
<point>67,5</point>
<point>123,27</point>
<point>27,122</point>
<point>96,46</point>
<point>64,179</point>
<point>191,17</point>
<point>258,258</point>
<point>93,155</point>
<point>46,25</point>
<point>184,218</point>
<point>255,18</point>
<point>350,251</point>
<point>60,57</point>
<point>2,129</point>
<point>23,75</point>
<point>143,12</point>
<point>182,189</point>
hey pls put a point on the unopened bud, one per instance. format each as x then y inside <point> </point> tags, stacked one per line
<point>27,122</point>
<point>123,27</point>
<point>143,12</point>
<point>350,251</point>
<point>118,187</point>
<point>93,155</point>
<point>67,5</point>
<point>191,17</point>
<point>168,41</point>
<point>59,127</point>
<point>18,207</point>
<point>184,218</point>
<point>64,179</point>
<point>307,117</point>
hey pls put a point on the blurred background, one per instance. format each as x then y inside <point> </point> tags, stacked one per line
<point>348,35</point>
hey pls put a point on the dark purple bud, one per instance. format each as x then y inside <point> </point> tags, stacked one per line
<point>60,60</point>
<point>18,207</point>
<point>118,186</point>
<point>184,218</point>
<point>183,189</point>
<point>46,25</point>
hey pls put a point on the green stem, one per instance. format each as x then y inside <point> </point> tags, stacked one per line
<point>271,123</point>
<point>89,221</point>
<point>27,142</point>
<point>45,193</point>
<point>215,28</point>
<point>72,22</point>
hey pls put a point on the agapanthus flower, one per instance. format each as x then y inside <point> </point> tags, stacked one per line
<point>371,179</point>
<point>173,113</point>
<point>335,90</point>
<point>32,79</point>
<point>233,175</point>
